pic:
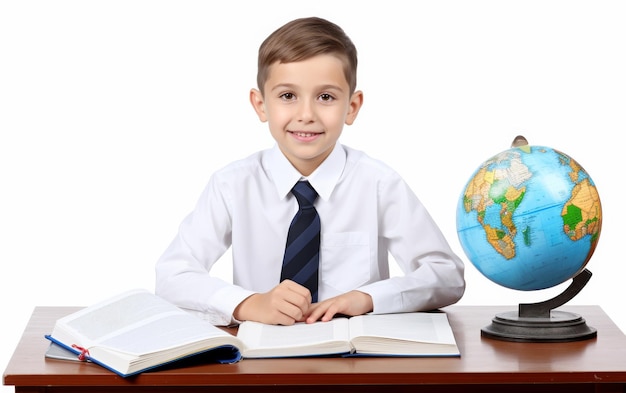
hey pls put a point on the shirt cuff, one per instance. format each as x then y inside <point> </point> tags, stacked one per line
<point>224,303</point>
<point>383,300</point>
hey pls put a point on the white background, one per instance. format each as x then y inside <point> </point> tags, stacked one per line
<point>113,115</point>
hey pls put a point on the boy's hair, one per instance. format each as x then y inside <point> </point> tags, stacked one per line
<point>302,39</point>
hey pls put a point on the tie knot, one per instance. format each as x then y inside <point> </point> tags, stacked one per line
<point>305,194</point>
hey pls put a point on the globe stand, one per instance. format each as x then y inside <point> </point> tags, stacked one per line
<point>538,322</point>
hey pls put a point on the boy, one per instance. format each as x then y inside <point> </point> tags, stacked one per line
<point>306,93</point>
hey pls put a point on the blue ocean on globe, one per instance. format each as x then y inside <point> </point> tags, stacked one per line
<point>529,218</point>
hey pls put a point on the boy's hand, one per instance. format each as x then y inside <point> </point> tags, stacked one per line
<point>351,303</point>
<point>285,304</point>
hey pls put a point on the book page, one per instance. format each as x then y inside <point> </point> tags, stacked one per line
<point>300,339</point>
<point>163,333</point>
<point>424,327</point>
<point>120,312</point>
<point>136,322</point>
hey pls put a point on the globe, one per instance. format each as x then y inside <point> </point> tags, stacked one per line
<point>529,218</point>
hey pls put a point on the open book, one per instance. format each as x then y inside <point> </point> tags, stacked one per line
<point>137,330</point>
<point>409,334</point>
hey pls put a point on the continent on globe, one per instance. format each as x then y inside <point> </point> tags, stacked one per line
<point>529,217</point>
<point>501,186</point>
<point>582,212</point>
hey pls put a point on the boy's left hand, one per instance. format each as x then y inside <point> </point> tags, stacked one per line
<point>350,303</point>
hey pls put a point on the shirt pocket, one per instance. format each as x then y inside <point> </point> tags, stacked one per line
<point>345,260</point>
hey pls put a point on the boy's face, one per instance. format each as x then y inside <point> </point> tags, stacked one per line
<point>306,104</point>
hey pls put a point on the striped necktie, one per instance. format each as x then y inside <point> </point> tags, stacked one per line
<point>301,261</point>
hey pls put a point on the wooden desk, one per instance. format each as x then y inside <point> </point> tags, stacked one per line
<point>485,365</point>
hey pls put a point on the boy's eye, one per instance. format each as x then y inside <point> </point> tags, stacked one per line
<point>287,96</point>
<point>326,97</point>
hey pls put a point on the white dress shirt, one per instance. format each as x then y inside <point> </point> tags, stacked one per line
<point>366,210</point>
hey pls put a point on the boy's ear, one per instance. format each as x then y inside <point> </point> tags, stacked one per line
<point>256,99</point>
<point>356,101</point>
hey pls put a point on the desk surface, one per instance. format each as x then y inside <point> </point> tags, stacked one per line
<point>599,363</point>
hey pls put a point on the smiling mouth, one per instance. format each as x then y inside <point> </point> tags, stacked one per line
<point>303,134</point>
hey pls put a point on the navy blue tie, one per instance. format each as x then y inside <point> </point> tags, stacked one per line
<point>301,261</point>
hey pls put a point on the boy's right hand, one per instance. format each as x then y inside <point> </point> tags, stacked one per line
<point>286,304</point>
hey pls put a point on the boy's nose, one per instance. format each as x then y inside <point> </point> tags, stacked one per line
<point>306,113</point>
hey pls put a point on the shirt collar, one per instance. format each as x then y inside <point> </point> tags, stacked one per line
<point>323,179</point>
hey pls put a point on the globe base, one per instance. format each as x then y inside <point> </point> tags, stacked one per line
<point>538,322</point>
<point>560,327</point>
